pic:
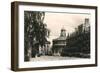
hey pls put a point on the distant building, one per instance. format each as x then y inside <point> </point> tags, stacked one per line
<point>45,49</point>
<point>84,27</point>
<point>59,43</point>
<point>38,50</point>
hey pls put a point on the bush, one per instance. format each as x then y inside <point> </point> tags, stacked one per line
<point>26,58</point>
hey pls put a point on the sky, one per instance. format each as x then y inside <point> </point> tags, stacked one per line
<point>56,21</point>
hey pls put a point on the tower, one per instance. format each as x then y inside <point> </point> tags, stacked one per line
<point>87,22</point>
<point>63,33</point>
<point>59,43</point>
<point>86,25</point>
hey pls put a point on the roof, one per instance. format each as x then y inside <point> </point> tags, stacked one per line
<point>60,38</point>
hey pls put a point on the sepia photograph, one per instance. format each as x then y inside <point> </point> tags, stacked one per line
<point>56,36</point>
<point>52,36</point>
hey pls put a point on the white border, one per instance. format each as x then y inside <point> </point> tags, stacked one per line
<point>23,64</point>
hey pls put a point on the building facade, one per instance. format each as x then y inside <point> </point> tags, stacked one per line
<point>59,43</point>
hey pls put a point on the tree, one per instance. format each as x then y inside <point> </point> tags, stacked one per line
<point>35,31</point>
<point>78,43</point>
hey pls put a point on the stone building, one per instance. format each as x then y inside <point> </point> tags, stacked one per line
<point>59,43</point>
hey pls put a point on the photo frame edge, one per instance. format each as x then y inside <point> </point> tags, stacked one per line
<point>14,36</point>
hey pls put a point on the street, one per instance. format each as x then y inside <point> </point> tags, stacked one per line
<point>52,58</point>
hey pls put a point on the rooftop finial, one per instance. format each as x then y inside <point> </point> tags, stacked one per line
<point>63,32</point>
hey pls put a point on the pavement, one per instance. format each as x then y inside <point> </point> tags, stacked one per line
<point>52,58</point>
